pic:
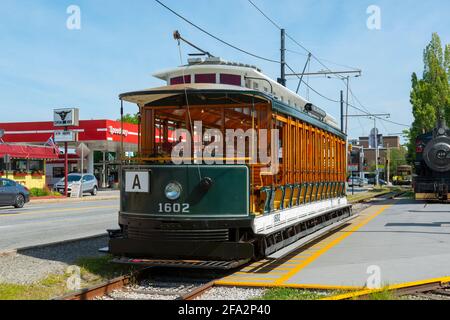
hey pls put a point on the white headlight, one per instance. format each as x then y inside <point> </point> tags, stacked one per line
<point>173,191</point>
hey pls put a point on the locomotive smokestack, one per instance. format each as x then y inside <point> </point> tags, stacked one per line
<point>441,126</point>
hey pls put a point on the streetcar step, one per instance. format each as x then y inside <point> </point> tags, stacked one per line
<point>191,264</point>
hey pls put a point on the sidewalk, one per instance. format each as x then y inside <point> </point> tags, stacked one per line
<point>102,195</point>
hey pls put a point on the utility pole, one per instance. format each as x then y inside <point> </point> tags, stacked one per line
<point>342,110</point>
<point>356,73</point>
<point>282,79</point>
<point>375,117</point>
<point>377,154</point>
<point>346,108</point>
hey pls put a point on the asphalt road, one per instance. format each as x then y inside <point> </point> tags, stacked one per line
<point>38,224</point>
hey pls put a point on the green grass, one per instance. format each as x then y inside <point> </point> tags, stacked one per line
<point>93,271</point>
<point>45,289</point>
<point>366,195</point>
<point>45,192</point>
<point>295,294</point>
<point>384,295</point>
<point>102,269</point>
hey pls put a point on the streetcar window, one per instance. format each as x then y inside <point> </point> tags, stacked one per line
<point>179,80</point>
<point>205,78</point>
<point>231,79</point>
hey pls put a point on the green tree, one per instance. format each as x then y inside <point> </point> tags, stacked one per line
<point>130,118</point>
<point>430,96</point>
<point>397,158</point>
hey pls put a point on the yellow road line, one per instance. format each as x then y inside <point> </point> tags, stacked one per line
<point>393,287</point>
<point>332,244</point>
<point>18,214</point>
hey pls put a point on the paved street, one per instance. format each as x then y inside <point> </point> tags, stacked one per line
<point>52,222</point>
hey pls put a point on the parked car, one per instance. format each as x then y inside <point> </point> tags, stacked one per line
<point>355,181</point>
<point>89,183</point>
<point>381,182</point>
<point>13,194</point>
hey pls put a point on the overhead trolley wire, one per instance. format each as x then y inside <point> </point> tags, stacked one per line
<point>237,48</point>
<point>215,37</point>
<point>271,60</point>
<point>365,111</point>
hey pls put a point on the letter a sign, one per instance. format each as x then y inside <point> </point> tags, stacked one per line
<point>137,181</point>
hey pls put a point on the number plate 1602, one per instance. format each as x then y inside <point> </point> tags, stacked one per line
<point>174,208</point>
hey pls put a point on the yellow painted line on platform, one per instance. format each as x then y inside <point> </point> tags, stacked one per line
<point>388,288</point>
<point>332,244</point>
<point>267,273</point>
<point>249,279</point>
<point>18,214</point>
<point>225,283</point>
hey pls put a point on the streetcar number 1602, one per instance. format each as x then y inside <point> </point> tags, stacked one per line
<point>174,208</point>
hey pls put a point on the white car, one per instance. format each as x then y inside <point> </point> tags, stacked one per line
<point>89,183</point>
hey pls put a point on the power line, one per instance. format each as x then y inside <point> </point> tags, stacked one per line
<point>215,37</point>
<point>320,62</point>
<point>237,48</point>
<point>267,59</point>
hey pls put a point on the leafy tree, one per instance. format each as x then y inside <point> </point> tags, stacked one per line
<point>397,158</point>
<point>130,118</point>
<point>430,96</point>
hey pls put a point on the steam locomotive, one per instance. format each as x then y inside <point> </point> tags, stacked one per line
<point>433,164</point>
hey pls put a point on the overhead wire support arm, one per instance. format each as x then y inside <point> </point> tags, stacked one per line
<point>324,73</point>
<point>303,73</point>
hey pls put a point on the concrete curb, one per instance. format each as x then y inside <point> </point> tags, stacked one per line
<point>13,252</point>
<point>74,200</point>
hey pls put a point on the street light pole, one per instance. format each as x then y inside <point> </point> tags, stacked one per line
<point>377,155</point>
<point>374,116</point>
<point>346,108</point>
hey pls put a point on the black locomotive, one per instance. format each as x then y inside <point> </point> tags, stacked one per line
<point>433,164</point>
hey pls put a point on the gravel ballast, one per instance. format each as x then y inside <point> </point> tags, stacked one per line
<point>231,293</point>
<point>33,265</point>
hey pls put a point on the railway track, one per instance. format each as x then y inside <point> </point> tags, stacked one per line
<point>146,285</point>
<point>426,290</point>
<point>188,285</point>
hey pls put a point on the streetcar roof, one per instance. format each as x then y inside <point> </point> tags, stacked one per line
<point>147,96</point>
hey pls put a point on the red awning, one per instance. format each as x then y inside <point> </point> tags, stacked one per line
<point>28,152</point>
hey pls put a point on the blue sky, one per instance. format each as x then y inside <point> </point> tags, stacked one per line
<point>43,65</point>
